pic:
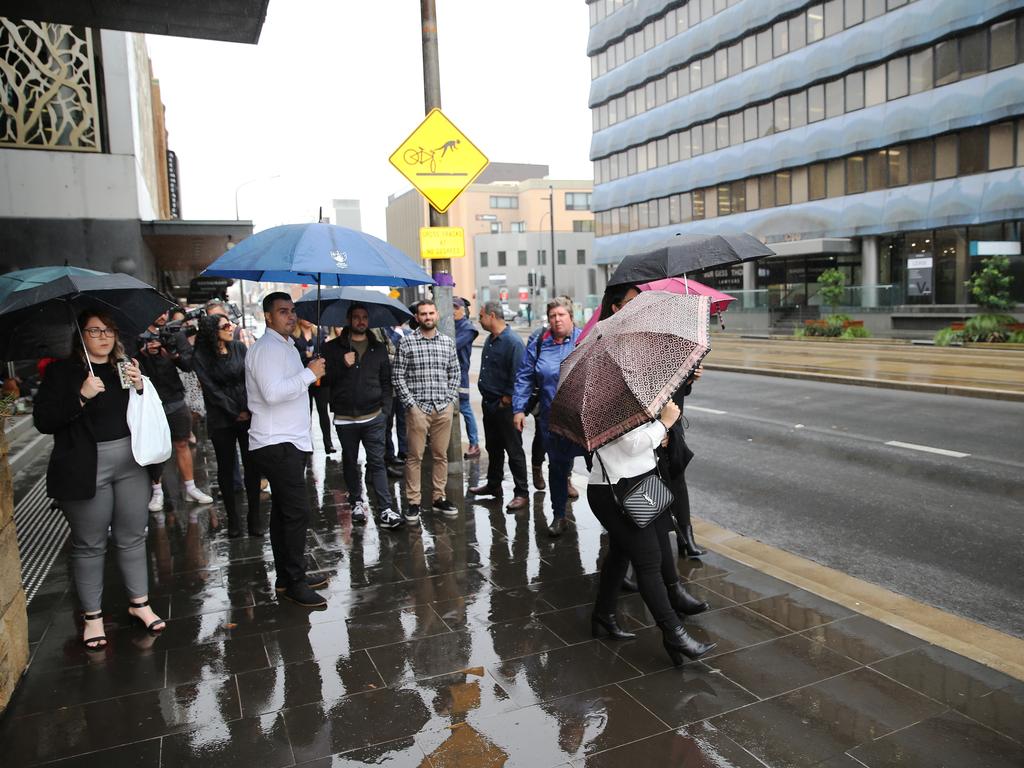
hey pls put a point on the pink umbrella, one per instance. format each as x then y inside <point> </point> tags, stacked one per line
<point>683,285</point>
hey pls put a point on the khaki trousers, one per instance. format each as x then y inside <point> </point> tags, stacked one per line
<point>417,426</point>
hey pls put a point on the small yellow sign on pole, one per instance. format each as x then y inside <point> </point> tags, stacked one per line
<point>439,160</point>
<point>442,242</point>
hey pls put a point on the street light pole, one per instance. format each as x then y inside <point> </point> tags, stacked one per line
<point>441,268</point>
<point>551,223</point>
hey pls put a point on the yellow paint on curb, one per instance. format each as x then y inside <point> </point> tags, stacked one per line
<point>985,645</point>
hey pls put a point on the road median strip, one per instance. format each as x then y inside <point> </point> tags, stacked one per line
<point>968,638</point>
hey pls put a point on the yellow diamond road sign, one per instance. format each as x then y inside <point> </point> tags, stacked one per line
<point>439,160</point>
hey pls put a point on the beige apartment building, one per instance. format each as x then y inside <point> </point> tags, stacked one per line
<point>509,205</point>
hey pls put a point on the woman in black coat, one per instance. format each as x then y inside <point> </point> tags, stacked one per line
<point>93,472</point>
<point>219,362</point>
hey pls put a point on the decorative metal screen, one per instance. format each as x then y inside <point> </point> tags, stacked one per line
<point>48,87</point>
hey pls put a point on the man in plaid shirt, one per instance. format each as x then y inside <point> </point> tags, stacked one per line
<point>427,375</point>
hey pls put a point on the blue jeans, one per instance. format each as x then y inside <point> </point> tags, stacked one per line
<point>561,455</point>
<point>467,415</point>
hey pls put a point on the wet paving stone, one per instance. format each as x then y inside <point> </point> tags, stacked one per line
<point>781,665</point>
<point>104,724</point>
<point>943,675</point>
<point>305,682</point>
<point>948,739</point>
<point>467,642</point>
<point>213,660</point>
<point>699,746</point>
<point>821,721</point>
<point>799,609</point>
<point>863,639</point>
<point>251,741</point>
<point>688,694</point>
<point>142,754</point>
<point>561,672</point>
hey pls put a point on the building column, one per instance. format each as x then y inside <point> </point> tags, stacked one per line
<point>13,618</point>
<point>749,284</point>
<point>869,271</point>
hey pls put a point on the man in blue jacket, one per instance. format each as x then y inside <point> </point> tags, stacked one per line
<point>465,334</point>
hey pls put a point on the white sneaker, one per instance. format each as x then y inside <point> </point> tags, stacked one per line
<point>390,519</point>
<point>198,496</point>
<point>156,501</point>
<point>360,512</point>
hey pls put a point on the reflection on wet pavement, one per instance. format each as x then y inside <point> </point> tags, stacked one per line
<point>467,643</point>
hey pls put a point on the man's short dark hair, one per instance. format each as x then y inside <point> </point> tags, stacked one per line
<point>353,307</point>
<point>270,298</point>
<point>425,302</point>
<point>493,308</point>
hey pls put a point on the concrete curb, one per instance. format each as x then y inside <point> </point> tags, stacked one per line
<point>968,638</point>
<point>907,386</point>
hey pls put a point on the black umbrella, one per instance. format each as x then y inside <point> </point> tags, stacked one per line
<point>39,322</point>
<point>335,302</point>
<point>683,254</point>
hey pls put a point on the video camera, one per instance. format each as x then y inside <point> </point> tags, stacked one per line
<point>168,333</point>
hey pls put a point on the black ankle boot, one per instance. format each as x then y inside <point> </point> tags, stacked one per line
<point>679,644</point>
<point>234,531</point>
<point>683,602</point>
<point>687,546</point>
<point>629,585</point>
<point>254,526</point>
<point>611,626</point>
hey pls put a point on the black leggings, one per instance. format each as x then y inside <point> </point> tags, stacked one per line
<point>224,440</point>
<point>322,397</point>
<point>629,544</point>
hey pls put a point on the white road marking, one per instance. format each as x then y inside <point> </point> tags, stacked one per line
<point>928,449</point>
<point>705,410</point>
<point>27,448</point>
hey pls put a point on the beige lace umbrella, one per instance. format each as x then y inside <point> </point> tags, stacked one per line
<point>629,367</point>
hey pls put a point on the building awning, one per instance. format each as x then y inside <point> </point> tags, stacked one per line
<point>183,249</point>
<point>233,21</point>
<point>815,246</point>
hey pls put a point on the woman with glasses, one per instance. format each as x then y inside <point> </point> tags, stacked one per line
<point>219,362</point>
<point>92,471</point>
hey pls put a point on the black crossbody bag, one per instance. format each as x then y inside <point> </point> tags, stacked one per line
<point>641,498</point>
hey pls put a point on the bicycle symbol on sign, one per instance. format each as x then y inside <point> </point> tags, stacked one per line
<point>429,157</point>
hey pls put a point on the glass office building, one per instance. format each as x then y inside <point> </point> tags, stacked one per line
<point>883,137</point>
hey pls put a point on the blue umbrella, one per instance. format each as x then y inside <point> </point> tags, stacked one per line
<point>23,279</point>
<point>334,303</point>
<point>325,254</point>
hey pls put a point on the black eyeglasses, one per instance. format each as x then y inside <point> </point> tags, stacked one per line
<point>95,333</point>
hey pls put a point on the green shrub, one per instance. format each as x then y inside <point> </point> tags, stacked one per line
<point>948,337</point>
<point>990,285</point>
<point>833,283</point>
<point>990,328</point>
<point>856,332</point>
<point>1017,337</point>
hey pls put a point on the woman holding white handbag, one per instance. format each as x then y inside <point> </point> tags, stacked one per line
<point>83,402</point>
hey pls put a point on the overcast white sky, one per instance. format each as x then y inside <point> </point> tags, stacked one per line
<point>334,87</point>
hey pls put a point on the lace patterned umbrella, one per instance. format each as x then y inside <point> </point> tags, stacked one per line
<point>629,367</point>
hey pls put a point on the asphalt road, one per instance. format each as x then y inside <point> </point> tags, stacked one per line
<point>806,467</point>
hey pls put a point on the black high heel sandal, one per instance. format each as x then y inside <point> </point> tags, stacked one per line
<point>152,626</point>
<point>98,642</point>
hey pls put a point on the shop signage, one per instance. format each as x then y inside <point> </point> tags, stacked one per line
<point>919,276</point>
<point>995,248</point>
<point>442,242</point>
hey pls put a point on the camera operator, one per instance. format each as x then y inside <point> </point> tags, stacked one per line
<point>230,311</point>
<point>163,351</point>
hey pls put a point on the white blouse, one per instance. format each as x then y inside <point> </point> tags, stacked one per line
<point>629,455</point>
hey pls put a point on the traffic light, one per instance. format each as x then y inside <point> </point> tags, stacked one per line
<point>531,279</point>
<point>543,281</point>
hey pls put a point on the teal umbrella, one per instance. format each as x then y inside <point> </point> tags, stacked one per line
<point>23,279</point>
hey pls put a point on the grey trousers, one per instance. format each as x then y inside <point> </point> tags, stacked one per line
<point>120,505</point>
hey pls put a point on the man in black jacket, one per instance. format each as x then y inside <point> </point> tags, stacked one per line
<point>359,376</point>
<point>160,362</point>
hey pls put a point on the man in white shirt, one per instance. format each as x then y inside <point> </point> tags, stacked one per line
<point>277,385</point>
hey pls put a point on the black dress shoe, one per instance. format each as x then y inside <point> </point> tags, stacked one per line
<point>559,526</point>
<point>610,624</point>
<point>683,602</point>
<point>304,596</point>
<point>395,470</point>
<point>485,490</point>
<point>679,644</point>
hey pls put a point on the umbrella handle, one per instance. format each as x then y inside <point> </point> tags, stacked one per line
<point>74,321</point>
